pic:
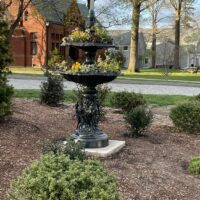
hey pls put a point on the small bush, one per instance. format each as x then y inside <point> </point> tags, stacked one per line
<point>74,150</point>
<point>138,119</point>
<point>126,100</point>
<point>186,116</point>
<point>194,166</point>
<point>6,94</point>
<point>197,98</point>
<point>58,177</point>
<point>52,90</point>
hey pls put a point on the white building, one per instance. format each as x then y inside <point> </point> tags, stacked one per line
<point>122,38</point>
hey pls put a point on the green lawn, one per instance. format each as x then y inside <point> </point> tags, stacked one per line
<point>70,97</point>
<point>145,74</point>
<point>158,74</point>
<point>26,71</point>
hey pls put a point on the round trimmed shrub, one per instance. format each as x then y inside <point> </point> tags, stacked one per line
<point>52,90</point>
<point>57,177</point>
<point>186,116</point>
<point>138,119</point>
<point>194,166</point>
<point>127,100</point>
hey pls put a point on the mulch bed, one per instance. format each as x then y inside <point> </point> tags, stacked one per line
<point>153,167</point>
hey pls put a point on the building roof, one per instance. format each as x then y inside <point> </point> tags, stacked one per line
<point>54,10</point>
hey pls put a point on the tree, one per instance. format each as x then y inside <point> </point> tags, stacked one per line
<point>21,7</point>
<point>5,59</point>
<point>137,7</point>
<point>73,17</point>
<point>6,91</point>
<point>154,9</point>
<point>182,9</point>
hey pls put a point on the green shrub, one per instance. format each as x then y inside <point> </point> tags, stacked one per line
<point>52,90</point>
<point>186,116</point>
<point>138,119</point>
<point>58,177</point>
<point>6,91</point>
<point>54,58</point>
<point>194,166</point>
<point>197,98</point>
<point>126,100</point>
<point>6,94</point>
<point>118,56</point>
<point>5,58</point>
<point>74,150</point>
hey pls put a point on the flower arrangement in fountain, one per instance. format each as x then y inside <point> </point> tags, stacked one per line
<point>103,65</point>
<point>95,34</point>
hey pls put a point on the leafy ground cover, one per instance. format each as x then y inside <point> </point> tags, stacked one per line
<point>70,97</point>
<point>151,167</point>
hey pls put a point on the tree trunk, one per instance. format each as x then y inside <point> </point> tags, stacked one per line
<point>21,8</point>
<point>133,62</point>
<point>153,47</point>
<point>177,37</point>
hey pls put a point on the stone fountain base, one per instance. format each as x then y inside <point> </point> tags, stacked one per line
<point>113,147</point>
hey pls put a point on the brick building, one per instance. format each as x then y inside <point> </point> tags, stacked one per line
<point>40,31</point>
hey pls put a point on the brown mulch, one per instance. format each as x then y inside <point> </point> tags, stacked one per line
<point>153,167</point>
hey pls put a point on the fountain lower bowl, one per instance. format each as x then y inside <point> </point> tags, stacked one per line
<point>91,79</point>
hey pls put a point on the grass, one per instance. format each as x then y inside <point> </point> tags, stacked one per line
<point>158,74</point>
<point>26,71</point>
<point>145,74</point>
<point>70,97</point>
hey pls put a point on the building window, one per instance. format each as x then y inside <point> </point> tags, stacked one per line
<point>53,46</point>
<point>57,37</point>
<point>34,35</point>
<point>34,48</point>
<point>53,36</point>
<point>125,48</point>
<point>146,60</point>
<point>57,46</point>
<point>116,48</point>
<point>26,16</point>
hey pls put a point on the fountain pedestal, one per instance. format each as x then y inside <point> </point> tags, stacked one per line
<point>88,114</point>
<point>88,109</point>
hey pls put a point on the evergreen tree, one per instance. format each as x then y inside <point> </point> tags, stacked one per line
<point>6,91</point>
<point>5,59</point>
<point>73,18</point>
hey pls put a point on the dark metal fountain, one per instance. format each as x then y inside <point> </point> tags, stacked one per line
<point>87,110</point>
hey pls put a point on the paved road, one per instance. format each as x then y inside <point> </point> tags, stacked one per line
<point>119,85</point>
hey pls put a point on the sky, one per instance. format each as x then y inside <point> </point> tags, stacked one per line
<point>145,20</point>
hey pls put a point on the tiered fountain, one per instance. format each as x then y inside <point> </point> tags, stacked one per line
<point>87,110</point>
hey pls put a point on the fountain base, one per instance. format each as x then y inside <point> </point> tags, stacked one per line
<point>97,139</point>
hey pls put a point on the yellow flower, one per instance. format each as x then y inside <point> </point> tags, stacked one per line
<point>76,66</point>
